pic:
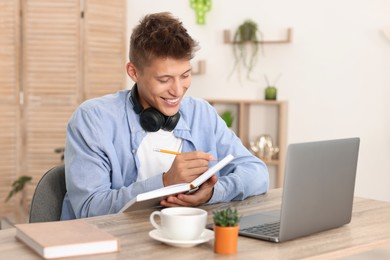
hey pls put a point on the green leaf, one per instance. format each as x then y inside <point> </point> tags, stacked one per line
<point>18,185</point>
<point>227,116</point>
<point>226,218</point>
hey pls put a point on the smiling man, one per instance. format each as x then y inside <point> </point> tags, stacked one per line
<point>109,153</point>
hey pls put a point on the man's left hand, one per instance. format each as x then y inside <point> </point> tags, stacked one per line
<point>194,199</point>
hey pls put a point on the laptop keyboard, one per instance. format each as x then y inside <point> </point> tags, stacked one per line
<point>269,229</point>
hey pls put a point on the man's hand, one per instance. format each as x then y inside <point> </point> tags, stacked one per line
<point>187,167</point>
<point>195,199</point>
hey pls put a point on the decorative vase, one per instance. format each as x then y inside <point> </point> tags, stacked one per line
<point>226,240</point>
<point>270,93</point>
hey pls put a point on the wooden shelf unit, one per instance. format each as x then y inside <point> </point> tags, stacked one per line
<point>259,114</point>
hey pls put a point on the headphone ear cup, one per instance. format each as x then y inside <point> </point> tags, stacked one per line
<point>171,122</point>
<point>151,119</point>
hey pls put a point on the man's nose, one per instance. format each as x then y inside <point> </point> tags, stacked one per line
<point>176,88</point>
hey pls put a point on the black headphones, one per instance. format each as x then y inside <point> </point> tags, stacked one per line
<point>151,119</point>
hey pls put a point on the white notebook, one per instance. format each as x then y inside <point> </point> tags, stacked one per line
<point>153,198</point>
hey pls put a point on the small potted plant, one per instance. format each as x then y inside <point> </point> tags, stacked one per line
<point>226,226</point>
<point>271,92</point>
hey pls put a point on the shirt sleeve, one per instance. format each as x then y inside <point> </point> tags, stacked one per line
<point>96,183</point>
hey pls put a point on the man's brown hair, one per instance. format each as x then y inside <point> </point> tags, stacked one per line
<point>160,35</point>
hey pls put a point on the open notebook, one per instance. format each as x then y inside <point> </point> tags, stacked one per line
<point>153,198</point>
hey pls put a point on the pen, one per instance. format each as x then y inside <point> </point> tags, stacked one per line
<point>165,151</point>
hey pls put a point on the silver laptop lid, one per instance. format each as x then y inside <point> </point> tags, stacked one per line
<point>321,178</point>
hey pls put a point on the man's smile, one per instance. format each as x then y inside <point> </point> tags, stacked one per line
<point>172,101</point>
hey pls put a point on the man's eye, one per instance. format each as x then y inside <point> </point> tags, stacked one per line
<point>163,80</point>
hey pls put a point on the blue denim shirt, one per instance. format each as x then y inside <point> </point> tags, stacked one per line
<point>103,136</point>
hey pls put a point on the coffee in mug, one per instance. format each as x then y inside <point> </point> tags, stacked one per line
<point>180,223</point>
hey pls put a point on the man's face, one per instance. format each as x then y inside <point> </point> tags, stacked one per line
<point>162,84</point>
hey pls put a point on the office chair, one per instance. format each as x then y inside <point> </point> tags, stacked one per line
<point>46,204</point>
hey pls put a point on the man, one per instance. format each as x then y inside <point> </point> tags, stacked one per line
<point>109,155</point>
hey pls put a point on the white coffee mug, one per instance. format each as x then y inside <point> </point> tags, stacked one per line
<point>180,223</point>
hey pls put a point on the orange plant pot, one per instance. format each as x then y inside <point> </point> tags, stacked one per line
<point>226,240</point>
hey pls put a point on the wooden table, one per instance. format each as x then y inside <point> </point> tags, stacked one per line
<point>369,232</point>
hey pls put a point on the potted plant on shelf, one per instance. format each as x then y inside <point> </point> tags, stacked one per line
<point>246,42</point>
<point>271,92</point>
<point>226,226</point>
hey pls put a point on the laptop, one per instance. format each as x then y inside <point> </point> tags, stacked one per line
<point>318,192</point>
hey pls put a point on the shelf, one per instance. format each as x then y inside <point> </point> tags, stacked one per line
<point>201,69</point>
<point>256,117</point>
<point>246,101</point>
<point>227,38</point>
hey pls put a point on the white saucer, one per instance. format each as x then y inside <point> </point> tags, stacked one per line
<point>206,236</point>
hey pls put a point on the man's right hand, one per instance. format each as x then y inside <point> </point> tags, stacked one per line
<point>187,167</point>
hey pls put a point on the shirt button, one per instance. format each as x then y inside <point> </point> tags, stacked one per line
<point>133,151</point>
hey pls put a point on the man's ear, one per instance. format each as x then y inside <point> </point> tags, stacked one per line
<point>132,71</point>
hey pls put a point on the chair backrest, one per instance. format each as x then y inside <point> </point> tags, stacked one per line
<point>46,204</point>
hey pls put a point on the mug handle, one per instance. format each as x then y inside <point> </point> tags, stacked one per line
<point>152,219</point>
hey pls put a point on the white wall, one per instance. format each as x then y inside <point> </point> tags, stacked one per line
<point>335,73</point>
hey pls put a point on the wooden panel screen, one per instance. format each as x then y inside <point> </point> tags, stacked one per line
<point>55,54</point>
<point>104,47</point>
<point>52,76</point>
<point>9,99</point>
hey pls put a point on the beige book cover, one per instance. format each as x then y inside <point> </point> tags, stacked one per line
<point>66,238</point>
